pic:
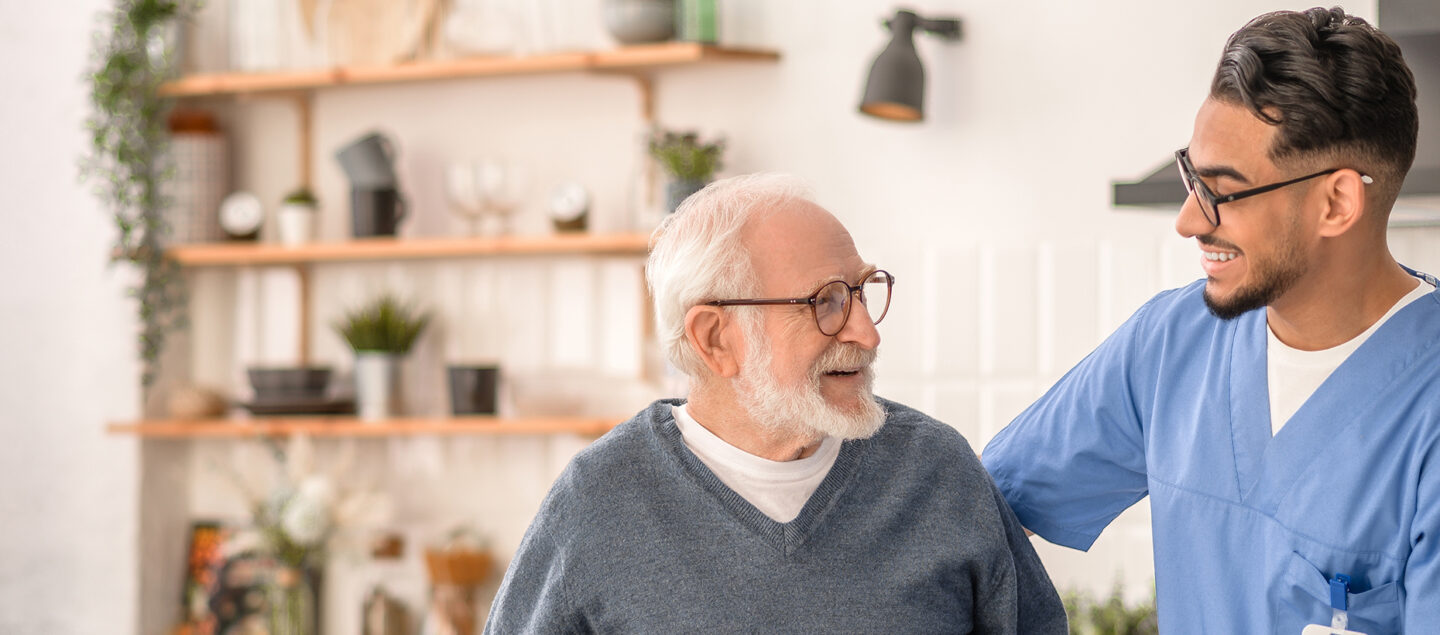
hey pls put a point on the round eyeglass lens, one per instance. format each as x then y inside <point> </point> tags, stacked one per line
<point>875,293</point>
<point>830,307</point>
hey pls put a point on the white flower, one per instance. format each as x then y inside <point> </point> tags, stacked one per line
<point>303,507</point>
<point>317,488</point>
<point>306,516</point>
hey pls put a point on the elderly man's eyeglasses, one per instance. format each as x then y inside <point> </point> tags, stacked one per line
<point>831,302</point>
<point>1210,202</point>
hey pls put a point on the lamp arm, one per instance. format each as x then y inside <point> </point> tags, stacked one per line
<point>945,28</point>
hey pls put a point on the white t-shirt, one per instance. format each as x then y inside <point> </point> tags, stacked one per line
<point>779,489</point>
<point>1296,374</point>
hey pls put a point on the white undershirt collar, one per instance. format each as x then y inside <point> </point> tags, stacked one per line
<point>1295,375</point>
<point>779,489</point>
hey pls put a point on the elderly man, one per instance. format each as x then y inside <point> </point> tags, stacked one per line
<point>783,496</point>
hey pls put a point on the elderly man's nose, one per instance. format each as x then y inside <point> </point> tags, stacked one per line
<point>859,329</point>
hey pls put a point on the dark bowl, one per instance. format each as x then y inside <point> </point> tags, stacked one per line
<point>291,381</point>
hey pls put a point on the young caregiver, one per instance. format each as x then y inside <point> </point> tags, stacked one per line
<point>1283,414</point>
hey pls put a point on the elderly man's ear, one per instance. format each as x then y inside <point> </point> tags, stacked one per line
<point>716,338</point>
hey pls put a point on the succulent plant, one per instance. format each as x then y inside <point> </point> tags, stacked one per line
<point>685,156</point>
<point>301,196</point>
<point>384,325</point>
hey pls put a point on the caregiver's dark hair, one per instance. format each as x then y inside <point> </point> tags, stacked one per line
<point>1336,86</point>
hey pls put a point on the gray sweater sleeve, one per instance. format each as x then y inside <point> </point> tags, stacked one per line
<point>1038,607</point>
<point>533,598</point>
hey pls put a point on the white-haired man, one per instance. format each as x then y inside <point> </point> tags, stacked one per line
<point>782,496</point>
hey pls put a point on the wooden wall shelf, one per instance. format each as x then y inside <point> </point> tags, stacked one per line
<point>352,427</point>
<point>629,59</point>
<point>385,249</point>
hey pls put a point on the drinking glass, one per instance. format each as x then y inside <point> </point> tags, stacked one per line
<point>503,186</point>
<point>464,192</point>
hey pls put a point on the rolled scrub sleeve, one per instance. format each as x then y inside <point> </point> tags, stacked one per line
<point>1072,461</point>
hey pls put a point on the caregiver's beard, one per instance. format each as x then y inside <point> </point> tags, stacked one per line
<point>1271,275</point>
<point>801,410</point>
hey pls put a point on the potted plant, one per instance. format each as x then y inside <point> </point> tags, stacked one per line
<point>690,161</point>
<point>127,131</point>
<point>380,333</point>
<point>1109,616</point>
<point>296,217</point>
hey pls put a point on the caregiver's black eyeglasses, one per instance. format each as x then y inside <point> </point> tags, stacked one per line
<point>831,302</point>
<point>1210,202</point>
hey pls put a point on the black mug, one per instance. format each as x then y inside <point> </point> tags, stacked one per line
<point>473,389</point>
<point>376,211</point>
<point>369,161</point>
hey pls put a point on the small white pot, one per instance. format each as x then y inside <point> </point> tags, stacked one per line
<point>377,385</point>
<point>296,224</point>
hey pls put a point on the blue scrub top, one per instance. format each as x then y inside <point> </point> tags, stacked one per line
<point>1247,528</point>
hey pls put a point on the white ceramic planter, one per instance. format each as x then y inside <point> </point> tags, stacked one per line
<point>296,224</point>
<point>377,386</point>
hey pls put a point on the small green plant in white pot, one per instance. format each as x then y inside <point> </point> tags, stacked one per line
<point>296,217</point>
<point>380,333</point>
<point>690,161</point>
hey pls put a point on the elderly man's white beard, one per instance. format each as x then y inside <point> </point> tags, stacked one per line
<point>802,410</point>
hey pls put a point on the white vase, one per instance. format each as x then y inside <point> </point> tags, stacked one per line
<point>296,224</point>
<point>377,393</point>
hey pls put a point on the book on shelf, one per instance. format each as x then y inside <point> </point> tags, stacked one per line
<point>227,582</point>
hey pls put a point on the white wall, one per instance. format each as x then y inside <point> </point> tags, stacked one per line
<point>68,557</point>
<point>994,215</point>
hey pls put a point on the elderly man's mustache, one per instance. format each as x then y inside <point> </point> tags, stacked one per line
<point>843,359</point>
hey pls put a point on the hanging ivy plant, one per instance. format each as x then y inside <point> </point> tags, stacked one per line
<point>127,162</point>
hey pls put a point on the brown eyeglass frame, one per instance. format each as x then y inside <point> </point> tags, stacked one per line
<point>851,289</point>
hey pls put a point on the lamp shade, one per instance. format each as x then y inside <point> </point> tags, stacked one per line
<point>895,87</point>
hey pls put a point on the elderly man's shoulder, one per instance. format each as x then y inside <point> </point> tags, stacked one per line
<point>628,451</point>
<point>605,486</point>
<point>919,458</point>
<point>920,432</point>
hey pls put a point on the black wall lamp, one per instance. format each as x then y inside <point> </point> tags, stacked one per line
<point>895,88</point>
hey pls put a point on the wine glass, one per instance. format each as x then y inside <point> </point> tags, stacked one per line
<point>464,192</point>
<point>503,186</point>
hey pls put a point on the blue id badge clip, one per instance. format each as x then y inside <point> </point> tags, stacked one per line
<point>1339,606</point>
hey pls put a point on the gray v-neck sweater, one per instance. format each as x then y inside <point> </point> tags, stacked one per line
<point>906,534</point>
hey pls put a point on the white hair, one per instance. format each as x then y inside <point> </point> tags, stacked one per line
<point>696,254</point>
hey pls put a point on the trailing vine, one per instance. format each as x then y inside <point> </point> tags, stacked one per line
<point>128,160</point>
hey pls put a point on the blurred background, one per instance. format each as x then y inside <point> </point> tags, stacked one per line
<point>494,166</point>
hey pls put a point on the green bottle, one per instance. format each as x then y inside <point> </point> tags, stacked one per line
<point>696,21</point>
